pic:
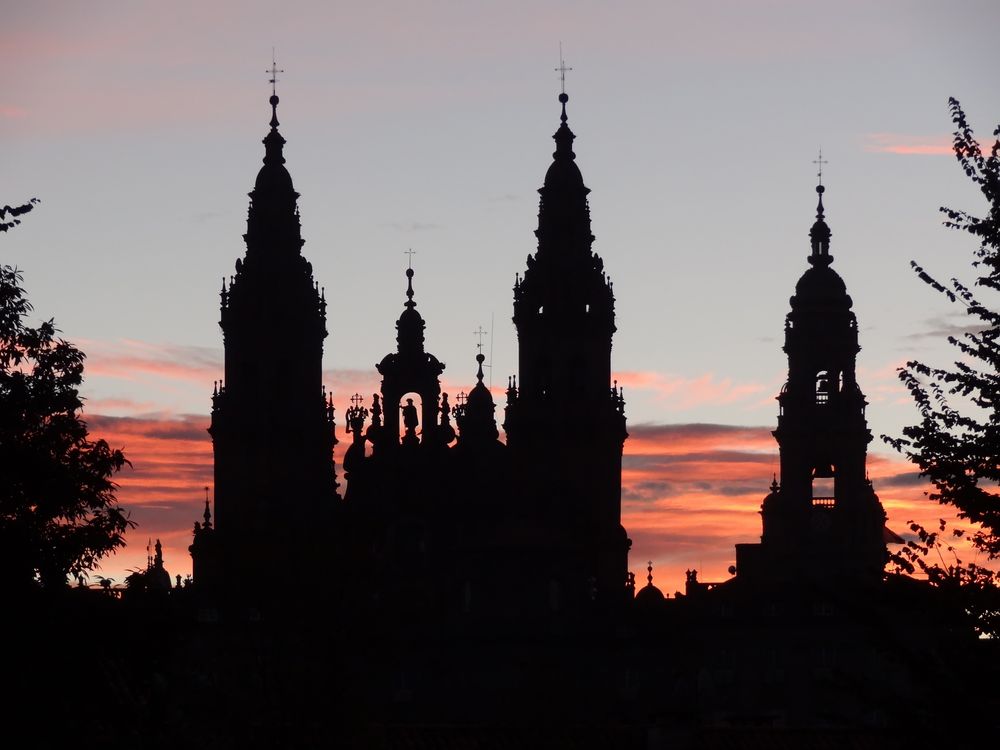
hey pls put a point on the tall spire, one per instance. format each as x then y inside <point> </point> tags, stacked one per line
<point>273,142</point>
<point>274,196</point>
<point>819,234</point>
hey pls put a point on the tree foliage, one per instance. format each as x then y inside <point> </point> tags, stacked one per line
<point>58,510</point>
<point>957,442</point>
<point>971,590</point>
<point>9,214</point>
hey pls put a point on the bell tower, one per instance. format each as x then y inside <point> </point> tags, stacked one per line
<point>272,424</point>
<point>565,420</point>
<point>824,519</point>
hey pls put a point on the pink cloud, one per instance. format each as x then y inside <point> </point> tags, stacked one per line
<point>11,112</point>
<point>898,143</point>
<point>690,392</point>
<point>690,491</point>
<point>131,360</point>
<point>171,458</point>
<point>101,405</point>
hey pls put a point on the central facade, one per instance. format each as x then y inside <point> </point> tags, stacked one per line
<point>415,522</point>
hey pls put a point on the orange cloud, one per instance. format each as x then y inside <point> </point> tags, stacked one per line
<point>690,492</point>
<point>171,459</point>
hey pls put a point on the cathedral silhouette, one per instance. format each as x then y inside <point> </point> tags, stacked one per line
<point>545,533</point>
<point>456,590</point>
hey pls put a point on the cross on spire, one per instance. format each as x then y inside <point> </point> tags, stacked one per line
<point>410,252</point>
<point>561,70</point>
<point>480,333</point>
<point>820,161</point>
<point>356,400</point>
<point>273,70</point>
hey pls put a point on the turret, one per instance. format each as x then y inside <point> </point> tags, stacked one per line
<point>823,520</point>
<point>409,375</point>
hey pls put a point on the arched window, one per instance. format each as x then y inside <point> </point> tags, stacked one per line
<point>823,387</point>
<point>409,417</point>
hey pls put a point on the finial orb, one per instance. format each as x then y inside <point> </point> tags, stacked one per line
<point>480,358</point>
<point>409,273</point>
<point>273,100</point>
<point>820,189</point>
<point>563,98</point>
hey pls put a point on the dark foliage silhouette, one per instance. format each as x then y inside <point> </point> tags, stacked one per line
<point>957,442</point>
<point>13,212</point>
<point>58,510</point>
<point>968,589</point>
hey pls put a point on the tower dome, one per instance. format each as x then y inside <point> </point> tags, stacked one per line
<point>649,594</point>
<point>273,177</point>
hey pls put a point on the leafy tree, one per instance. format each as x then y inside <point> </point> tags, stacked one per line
<point>957,442</point>
<point>58,510</point>
<point>970,590</point>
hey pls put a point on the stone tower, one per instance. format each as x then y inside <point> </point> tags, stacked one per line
<point>565,421</point>
<point>272,425</point>
<point>824,520</point>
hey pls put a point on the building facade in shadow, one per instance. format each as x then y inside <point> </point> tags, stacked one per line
<point>463,590</point>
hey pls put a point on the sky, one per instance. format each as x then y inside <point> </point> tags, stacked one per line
<point>427,125</point>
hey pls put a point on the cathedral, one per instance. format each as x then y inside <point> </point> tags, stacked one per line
<point>542,536</point>
<point>546,533</point>
<point>427,607</point>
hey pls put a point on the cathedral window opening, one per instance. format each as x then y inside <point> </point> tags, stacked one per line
<point>410,409</point>
<point>823,493</point>
<point>823,386</point>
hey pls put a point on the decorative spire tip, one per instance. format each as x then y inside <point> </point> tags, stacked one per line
<point>562,70</point>
<point>409,289</point>
<point>273,80</point>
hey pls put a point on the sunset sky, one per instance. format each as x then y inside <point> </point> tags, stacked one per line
<point>427,125</point>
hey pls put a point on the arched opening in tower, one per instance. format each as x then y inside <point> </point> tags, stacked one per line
<point>824,385</point>
<point>823,483</point>
<point>410,406</point>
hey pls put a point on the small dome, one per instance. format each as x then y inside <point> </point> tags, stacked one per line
<point>478,420</point>
<point>410,326</point>
<point>273,178</point>
<point>649,594</point>
<point>480,398</point>
<point>770,500</point>
<point>564,173</point>
<point>821,284</point>
<point>773,495</point>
